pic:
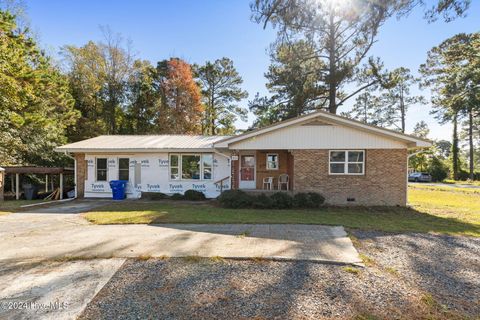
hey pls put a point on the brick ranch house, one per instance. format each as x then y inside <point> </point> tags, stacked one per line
<point>347,161</point>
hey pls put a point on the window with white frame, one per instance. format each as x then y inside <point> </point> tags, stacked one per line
<point>174,167</point>
<point>347,162</point>
<point>123,168</point>
<point>191,166</point>
<point>272,161</point>
<point>207,161</point>
<point>101,166</point>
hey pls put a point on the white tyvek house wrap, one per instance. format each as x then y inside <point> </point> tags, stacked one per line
<point>155,176</point>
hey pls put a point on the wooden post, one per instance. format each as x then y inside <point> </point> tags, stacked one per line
<point>2,182</point>
<point>46,183</point>
<point>61,186</point>
<point>17,186</point>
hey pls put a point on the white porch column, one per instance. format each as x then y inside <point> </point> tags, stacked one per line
<point>75,175</point>
<point>17,186</point>
<point>3,177</point>
<point>61,186</point>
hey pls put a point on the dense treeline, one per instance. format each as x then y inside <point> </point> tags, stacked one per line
<point>117,94</point>
<point>320,60</point>
<point>100,88</point>
<point>36,106</point>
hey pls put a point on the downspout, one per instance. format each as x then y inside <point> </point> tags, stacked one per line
<point>415,153</point>
<point>221,154</point>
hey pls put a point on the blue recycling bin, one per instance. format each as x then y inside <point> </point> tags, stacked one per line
<point>118,189</point>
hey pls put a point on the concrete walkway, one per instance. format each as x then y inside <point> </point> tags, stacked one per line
<point>51,234</point>
<point>52,290</point>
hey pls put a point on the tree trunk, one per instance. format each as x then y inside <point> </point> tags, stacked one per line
<point>332,84</point>
<point>212,115</point>
<point>213,126</point>
<point>470,140</point>
<point>365,112</point>
<point>403,117</point>
<point>402,110</point>
<point>455,148</point>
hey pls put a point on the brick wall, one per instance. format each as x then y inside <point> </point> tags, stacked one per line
<point>234,164</point>
<point>81,172</point>
<point>261,167</point>
<point>384,182</point>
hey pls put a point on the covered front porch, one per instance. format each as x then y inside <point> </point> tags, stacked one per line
<point>269,170</point>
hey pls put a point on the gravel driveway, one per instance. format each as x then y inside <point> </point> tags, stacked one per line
<point>408,276</point>
<point>447,267</point>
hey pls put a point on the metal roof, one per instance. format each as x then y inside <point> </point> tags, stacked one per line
<point>145,143</point>
<point>34,169</point>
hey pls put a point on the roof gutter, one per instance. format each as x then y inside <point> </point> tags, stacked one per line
<point>135,150</point>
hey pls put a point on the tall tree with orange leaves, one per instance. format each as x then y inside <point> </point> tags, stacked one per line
<point>181,108</point>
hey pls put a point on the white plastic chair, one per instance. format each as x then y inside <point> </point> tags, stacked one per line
<point>269,182</point>
<point>282,180</point>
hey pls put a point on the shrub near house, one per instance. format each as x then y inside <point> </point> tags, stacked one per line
<point>237,199</point>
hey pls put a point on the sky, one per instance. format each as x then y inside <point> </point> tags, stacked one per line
<point>199,31</point>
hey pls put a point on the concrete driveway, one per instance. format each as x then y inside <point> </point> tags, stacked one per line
<point>55,232</point>
<point>52,290</point>
<point>46,270</point>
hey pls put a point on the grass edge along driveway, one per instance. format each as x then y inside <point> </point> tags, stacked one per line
<point>435,211</point>
<point>10,206</point>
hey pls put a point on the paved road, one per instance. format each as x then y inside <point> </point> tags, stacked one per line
<point>51,233</point>
<point>449,185</point>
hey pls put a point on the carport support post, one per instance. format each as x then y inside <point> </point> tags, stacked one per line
<point>17,186</point>
<point>61,186</point>
<point>46,183</point>
<point>2,183</point>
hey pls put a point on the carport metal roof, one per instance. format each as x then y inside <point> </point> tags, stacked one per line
<point>37,170</point>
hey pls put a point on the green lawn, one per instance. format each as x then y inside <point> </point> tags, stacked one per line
<point>458,203</point>
<point>438,211</point>
<point>10,206</point>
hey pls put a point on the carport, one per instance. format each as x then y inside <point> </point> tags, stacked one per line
<point>17,171</point>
